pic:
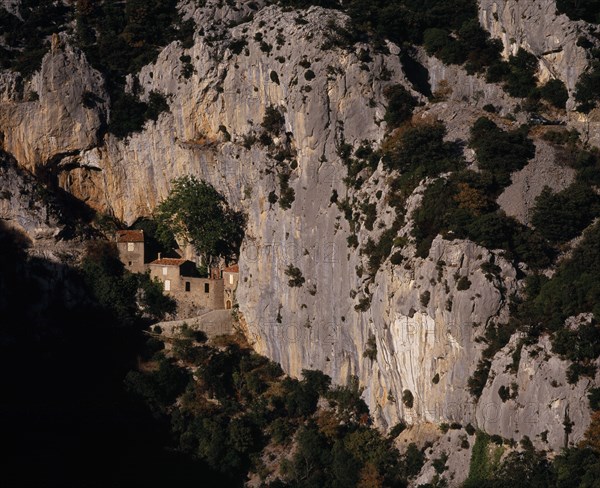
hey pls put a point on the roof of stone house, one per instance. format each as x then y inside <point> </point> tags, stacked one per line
<point>169,262</point>
<point>130,236</point>
<point>232,269</point>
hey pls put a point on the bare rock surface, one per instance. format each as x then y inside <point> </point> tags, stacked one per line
<point>423,326</point>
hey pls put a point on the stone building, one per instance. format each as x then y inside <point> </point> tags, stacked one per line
<point>230,277</point>
<point>130,244</point>
<point>180,276</point>
<point>181,281</point>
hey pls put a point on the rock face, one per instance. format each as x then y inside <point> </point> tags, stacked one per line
<point>545,169</point>
<point>419,334</point>
<point>11,6</point>
<point>22,206</point>
<point>535,26</point>
<point>58,112</point>
<point>544,403</point>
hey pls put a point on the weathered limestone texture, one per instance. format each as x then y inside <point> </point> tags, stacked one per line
<point>420,331</point>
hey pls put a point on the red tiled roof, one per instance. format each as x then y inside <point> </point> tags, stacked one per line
<point>169,262</point>
<point>130,236</point>
<point>232,269</point>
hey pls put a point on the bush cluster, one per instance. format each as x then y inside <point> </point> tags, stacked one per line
<point>238,402</point>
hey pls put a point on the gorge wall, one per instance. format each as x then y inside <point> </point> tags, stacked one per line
<point>327,96</point>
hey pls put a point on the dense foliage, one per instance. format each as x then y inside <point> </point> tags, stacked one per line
<point>26,38</point>
<point>121,37</point>
<point>587,92</point>
<point>196,212</point>
<point>116,291</point>
<point>463,204</point>
<point>500,152</point>
<point>239,403</point>
<point>562,216</point>
<point>588,10</point>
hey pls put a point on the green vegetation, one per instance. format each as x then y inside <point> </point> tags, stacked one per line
<point>517,74</point>
<point>26,38</point>
<point>198,213</point>
<point>594,398</point>
<point>371,349</point>
<point>121,297</point>
<point>408,399</point>
<point>420,151</point>
<point>573,289</point>
<point>463,283</point>
<point>470,44</point>
<point>587,88</point>
<point>287,193</point>
<point>588,10</point>
<point>238,403</point>
<point>273,120</point>
<point>119,38</point>
<point>294,274</point>
<point>400,106</point>
<point>500,152</point>
<point>555,92</point>
<point>463,205</point>
<point>481,467</point>
<point>526,467</point>
<point>559,217</point>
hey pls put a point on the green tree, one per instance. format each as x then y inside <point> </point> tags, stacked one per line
<point>198,213</point>
<point>500,152</point>
<point>400,105</point>
<point>580,9</point>
<point>555,92</point>
<point>561,216</point>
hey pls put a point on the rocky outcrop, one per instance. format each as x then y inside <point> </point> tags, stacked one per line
<point>22,204</point>
<point>455,447</point>
<point>11,6</point>
<point>545,169</point>
<point>56,113</point>
<point>539,402</point>
<point>419,334</point>
<point>537,27</point>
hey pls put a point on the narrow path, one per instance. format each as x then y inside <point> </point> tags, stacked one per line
<point>213,323</point>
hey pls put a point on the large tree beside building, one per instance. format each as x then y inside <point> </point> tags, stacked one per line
<point>197,212</point>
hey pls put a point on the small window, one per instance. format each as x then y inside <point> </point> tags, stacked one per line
<point>167,285</point>
<point>130,263</point>
<point>165,271</point>
<point>231,279</point>
<point>206,288</point>
<point>187,286</point>
<point>131,246</point>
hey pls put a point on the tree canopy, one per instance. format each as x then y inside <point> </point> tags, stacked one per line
<point>198,213</point>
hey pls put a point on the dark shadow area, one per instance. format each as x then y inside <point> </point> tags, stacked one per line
<point>416,73</point>
<point>65,417</point>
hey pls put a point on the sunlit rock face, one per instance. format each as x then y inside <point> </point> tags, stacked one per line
<point>420,332</point>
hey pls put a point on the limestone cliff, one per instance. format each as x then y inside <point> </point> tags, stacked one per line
<point>537,27</point>
<point>421,328</point>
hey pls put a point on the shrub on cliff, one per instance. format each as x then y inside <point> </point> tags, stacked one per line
<point>400,105</point>
<point>587,88</point>
<point>273,120</point>
<point>562,216</point>
<point>295,276</point>
<point>588,10</point>
<point>555,92</point>
<point>498,151</point>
